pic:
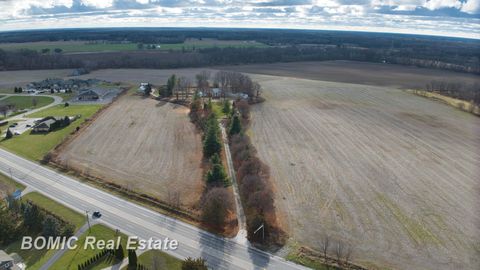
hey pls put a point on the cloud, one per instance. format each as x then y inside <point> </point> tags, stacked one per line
<point>471,7</point>
<point>452,17</point>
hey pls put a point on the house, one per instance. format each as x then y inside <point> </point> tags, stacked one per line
<point>216,92</point>
<point>7,262</point>
<point>49,123</point>
<point>88,95</point>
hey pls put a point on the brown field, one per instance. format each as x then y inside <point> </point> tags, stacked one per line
<point>10,79</point>
<point>390,173</point>
<point>358,72</point>
<point>144,145</point>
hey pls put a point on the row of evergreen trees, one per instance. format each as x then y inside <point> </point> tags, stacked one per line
<point>20,218</point>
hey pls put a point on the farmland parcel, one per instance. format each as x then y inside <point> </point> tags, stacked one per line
<point>144,146</point>
<point>392,175</point>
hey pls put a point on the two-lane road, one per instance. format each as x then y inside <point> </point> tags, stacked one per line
<point>132,219</point>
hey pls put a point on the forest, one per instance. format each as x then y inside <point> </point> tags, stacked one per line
<point>284,46</point>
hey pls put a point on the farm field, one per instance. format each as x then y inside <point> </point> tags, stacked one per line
<point>10,79</point>
<point>81,46</point>
<point>391,174</point>
<point>397,76</point>
<point>145,146</point>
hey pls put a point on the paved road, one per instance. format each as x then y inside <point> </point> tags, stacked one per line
<point>56,100</point>
<point>132,219</point>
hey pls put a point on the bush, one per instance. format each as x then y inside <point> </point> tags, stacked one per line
<point>194,264</point>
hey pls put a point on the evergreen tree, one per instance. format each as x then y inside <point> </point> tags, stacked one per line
<point>119,255</point>
<point>235,126</point>
<point>132,259</point>
<point>32,217</point>
<point>217,175</point>
<point>215,159</point>
<point>8,226</point>
<point>9,134</point>
<point>51,226</point>
<point>211,144</point>
<point>226,107</point>
<point>171,83</point>
<point>194,264</point>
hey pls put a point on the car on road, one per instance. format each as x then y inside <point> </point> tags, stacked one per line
<point>96,214</point>
<point>13,125</point>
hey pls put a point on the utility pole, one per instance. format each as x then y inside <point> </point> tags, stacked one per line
<point>262,227</point>
<point>88,220</point>
<point>11,174</point>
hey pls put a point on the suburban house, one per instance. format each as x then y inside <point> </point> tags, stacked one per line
<point>50,123</point>
<point>88,95</point>
<point>7,262</point>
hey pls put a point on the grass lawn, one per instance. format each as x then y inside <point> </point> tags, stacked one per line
<point>71,259</point>
<point>33,258</point>
<point>26,102</point>
<point>35,146</point>
<point>217,109</point>
<point>8,184</point>
<point>77,219</point>
<point>162,260</point>
<point>300,258</point>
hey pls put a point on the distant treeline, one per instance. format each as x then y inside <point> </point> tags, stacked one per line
<point>286,46</point>
<point>459,90</point>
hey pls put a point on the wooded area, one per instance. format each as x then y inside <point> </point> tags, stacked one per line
<point>285,46</point>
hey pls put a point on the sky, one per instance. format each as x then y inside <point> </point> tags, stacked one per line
<point>459,18</point>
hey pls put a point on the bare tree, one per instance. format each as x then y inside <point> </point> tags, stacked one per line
<point>348,253</point>
<point>339,251</point>
<point>257,89</point>
<point>4,110</point>
<point>325,244</point>
<point>184,85</point>
<point>202,81</point>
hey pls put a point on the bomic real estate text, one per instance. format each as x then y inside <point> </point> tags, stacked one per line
<point>91,242</point>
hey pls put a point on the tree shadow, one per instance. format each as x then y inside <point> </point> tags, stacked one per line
<point>213,250</point>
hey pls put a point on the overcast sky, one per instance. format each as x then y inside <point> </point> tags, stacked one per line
<point>437,17</point>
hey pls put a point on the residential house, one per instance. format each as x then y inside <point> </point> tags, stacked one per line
<point>7,262</point>
<point>88,95</point>
<point>49,123</point>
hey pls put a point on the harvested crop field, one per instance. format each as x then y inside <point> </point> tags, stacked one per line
<point>10,79</point>
<point>144,145</point>
<point>397,76</point>
<point>392,174</point>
